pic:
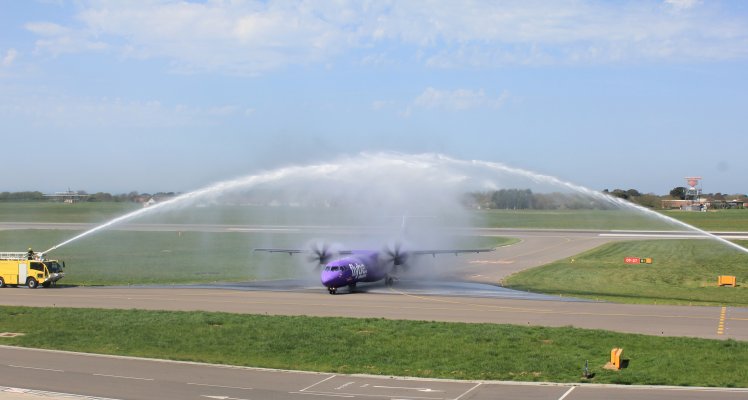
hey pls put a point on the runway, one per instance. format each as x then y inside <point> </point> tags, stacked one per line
<point>471,294</point>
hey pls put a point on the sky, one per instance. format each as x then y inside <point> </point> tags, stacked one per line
<point>159,96</point>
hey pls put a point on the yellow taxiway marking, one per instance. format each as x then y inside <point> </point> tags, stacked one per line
<point>721,325</point>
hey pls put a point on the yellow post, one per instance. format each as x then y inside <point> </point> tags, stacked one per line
<point>615,357</point>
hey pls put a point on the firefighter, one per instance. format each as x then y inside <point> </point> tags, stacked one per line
<point>30,254</point>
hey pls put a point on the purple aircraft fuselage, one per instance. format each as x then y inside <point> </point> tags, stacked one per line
<point>360,266</point>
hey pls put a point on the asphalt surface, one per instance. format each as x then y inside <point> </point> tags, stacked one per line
<point>53,374</point>
<point>469,292</point>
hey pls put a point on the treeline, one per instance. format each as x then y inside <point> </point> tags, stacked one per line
<point>525,199</point>
<point>82,195</point>
<point>21,196</point>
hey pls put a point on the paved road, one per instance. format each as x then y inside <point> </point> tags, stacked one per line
<point>134,378</point>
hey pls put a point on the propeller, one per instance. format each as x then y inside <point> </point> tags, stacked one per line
<point>321,254</point>
<point>395,254</point>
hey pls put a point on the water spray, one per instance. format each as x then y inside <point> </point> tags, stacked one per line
<point>380,170</point>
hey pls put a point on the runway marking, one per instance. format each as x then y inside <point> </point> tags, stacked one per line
<point>36,368</point>
<point>324,380</point>
<point>408,388</point>
<point>44,393</point>
<point>567,393</point>
<point>467,391</point>
<point>125,377</point>
<point>322,394</point>
<point>219,386</point>
<point>721,324</point>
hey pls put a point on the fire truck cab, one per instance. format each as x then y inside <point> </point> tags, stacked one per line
<point>17,268</point>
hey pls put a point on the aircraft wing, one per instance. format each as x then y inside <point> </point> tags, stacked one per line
<point>449,251</point>
<point>298,251</point>
<point>413,252</point>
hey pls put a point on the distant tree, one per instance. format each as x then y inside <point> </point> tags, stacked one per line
<point>619,193</point>
<point>512,199</point>
<point>100,196</point>
<point>678,193</point>
<point>21,196</point>
<point>633,193</point>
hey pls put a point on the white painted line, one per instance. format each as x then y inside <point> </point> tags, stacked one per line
<point>468,391</point>
<point>125,377</point>
<point>38,369</point>
<point>408,388</point>
<point>651,235</point>
<point>219,386</point>
<point>56,395</point>
<point>343,386</point>
<point>321,394</point>
<point>324,380</point>
<point>567,393</point>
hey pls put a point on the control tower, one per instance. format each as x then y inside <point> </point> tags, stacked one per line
<point>693,190</point>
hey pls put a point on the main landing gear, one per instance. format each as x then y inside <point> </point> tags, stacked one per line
<point>389,281</point>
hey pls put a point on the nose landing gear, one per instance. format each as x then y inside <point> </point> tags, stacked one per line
<point>332,290</point>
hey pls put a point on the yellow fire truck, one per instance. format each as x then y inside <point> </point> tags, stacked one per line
<point>18,268</point>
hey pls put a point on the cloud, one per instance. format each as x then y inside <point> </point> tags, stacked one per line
<point>253,37</point>
<point>682,4</point>
<point>9,57</point>
<point>43,109</point>
<point>457,100</point>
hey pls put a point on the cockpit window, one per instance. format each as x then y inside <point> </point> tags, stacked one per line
<point>327,268</point>
<point>335,268</point>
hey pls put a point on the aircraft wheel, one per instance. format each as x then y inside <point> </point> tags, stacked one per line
<point>389,281</point>
<point>32,283</point>
<point>332,290</point>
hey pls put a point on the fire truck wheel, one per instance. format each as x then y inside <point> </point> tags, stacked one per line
<point>32,283</point>
<point>2,283</point>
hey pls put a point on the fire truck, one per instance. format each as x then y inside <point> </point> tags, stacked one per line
<point>29,269</point>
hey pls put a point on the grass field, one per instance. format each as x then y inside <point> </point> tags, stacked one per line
<point>127,257</point>
<point>723,220</point>
<point>683,272</point>
<point>382,347</point>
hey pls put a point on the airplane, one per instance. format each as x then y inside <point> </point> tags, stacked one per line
<point>362,265</point>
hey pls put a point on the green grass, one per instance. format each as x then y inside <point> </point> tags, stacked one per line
<point>126,257</point>
<point>61,212</point>
<point>718,221</point>
<point>683,272</point>
<point>722,220</point>
<point>382,347</point>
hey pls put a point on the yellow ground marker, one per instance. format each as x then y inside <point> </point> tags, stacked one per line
<point>721,325</point>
